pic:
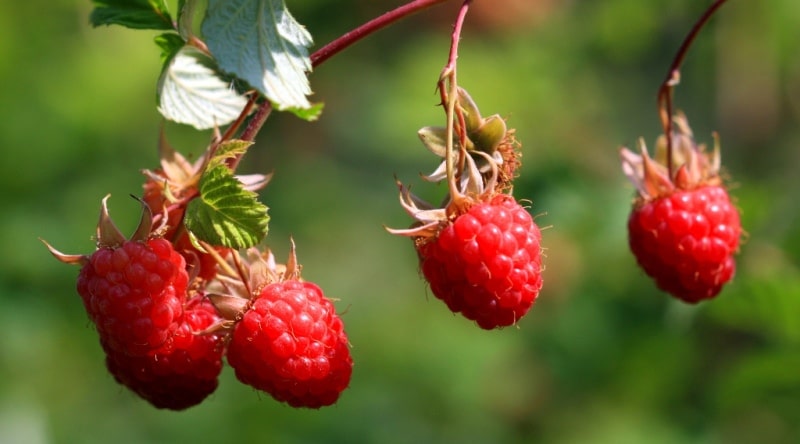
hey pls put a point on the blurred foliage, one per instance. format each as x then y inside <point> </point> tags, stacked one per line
<point>603,357</point>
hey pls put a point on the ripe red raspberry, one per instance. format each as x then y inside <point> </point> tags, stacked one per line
<point>480,251</point>
<point>134,294</point>
<point>487,263</point>
<point>291,344</point>
<point>683,230</point>
<point>183,371</point>
<point>686,241</point>
<point>132,289</point>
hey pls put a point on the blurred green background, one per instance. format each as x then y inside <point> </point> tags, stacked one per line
<point>603,357</point>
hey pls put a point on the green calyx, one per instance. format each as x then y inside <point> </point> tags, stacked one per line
<point>483,134</point>
<point>489,134</point>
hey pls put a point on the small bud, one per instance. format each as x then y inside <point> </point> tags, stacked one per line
<point>489,134</point>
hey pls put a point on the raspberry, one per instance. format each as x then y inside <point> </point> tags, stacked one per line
<point>202,264</point>
<point>486,264</point>
<point>291,344</point>
<point>686,240</point>
<point>183,371</point>
<point>480,250</point>
<point>134,294</point>
<point>683,229</point>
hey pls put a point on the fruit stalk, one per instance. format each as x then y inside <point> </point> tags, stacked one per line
<point>450,97</point>
<point>673,78</point>
<point>368,28</point>
<point>338,45</point>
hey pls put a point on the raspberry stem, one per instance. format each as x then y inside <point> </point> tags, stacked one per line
<point>257,121</point>
<point>673,78</point>
<point>239,120</point>
<point>369,27</point>
<point>448,88</point>
<point>331,49</point>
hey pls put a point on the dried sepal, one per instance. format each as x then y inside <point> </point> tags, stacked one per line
<point>484,163</point>
<point>229,307</point>
<point>73,259</point>
<point>427,217</point>
<point>692,165</point>
<point>291,271</point>
<point>242,277</point>
<point>175,166</point>
<point>145,228</point>
<point>106,233</point>
<point>175,175</point>
<point>649,177</point>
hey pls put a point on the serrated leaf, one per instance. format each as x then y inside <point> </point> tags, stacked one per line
<point>225,213</point>
<point>136,14</point>
<point>227,150</point>
<point>260,42</point>
<point>191,92</point>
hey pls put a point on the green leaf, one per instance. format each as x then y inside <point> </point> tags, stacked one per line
<point>308,114</point>
<point>227,150</point>
<point>225,213</point>
<point>136,14</point>
<point>260,42</point>
<point>170,43</point>
<point>190,90</point>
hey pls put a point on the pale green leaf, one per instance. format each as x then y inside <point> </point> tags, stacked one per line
<point>190,91</point>
<point>260,42</point>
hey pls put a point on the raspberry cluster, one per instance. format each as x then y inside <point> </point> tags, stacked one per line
<point>179,296</point>
<point>149,321</point>
<point>168,308</point>
<point>165,333</point>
